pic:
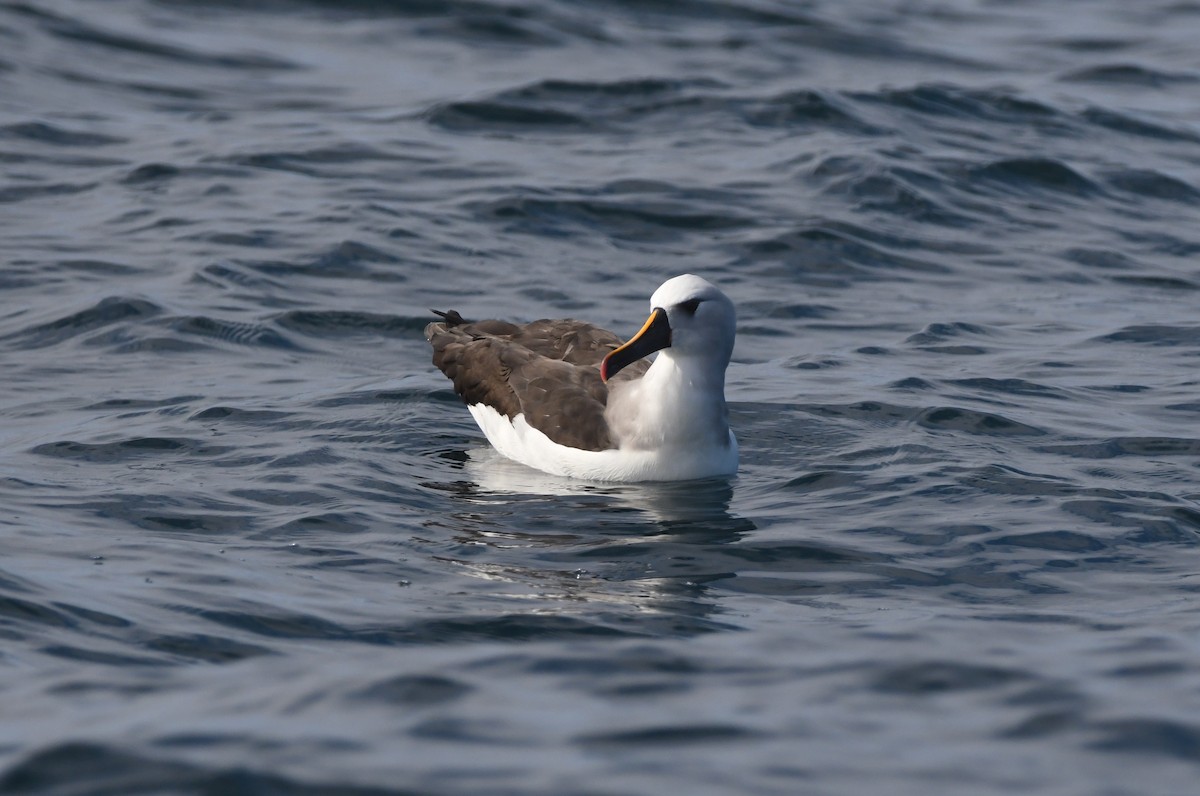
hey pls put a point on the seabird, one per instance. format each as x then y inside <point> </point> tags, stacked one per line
<point>568,398</point>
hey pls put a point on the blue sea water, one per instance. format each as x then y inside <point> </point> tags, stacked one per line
<point>251,543</point>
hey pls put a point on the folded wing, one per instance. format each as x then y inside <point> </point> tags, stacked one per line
<point>547,370</point>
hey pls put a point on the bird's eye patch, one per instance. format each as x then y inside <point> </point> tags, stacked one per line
<point>690,306</point>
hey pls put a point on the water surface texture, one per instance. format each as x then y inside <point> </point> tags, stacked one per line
<point>250,542</point>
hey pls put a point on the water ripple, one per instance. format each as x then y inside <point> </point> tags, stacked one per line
<point>107,312</point>
<point>252,541</point>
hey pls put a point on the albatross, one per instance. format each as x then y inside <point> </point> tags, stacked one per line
<point>569,398</point>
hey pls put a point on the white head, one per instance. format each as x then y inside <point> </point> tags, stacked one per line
<point>689,318</point>
<point>702,318</point>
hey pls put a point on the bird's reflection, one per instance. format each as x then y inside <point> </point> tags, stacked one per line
<point>697,510</point>
<point>652,545</point>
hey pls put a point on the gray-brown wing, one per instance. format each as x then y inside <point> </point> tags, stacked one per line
<point>474,365</point>
<point>571,341</point>
<point>502,365</point>
<point>576,342</point>
<point>563,401</point>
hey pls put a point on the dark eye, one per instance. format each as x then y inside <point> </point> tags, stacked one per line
<point>690,306</point>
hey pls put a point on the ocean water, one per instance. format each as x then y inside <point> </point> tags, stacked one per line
<point>251,543</point>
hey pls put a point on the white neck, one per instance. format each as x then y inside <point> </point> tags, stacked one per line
<point>680,402</point>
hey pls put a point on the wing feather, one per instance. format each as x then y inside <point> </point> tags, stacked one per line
<point>547,370</point>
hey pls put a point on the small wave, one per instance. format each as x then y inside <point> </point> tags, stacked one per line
<point>632,219</point>
<point>990,105</point>
<point>937,677</point>
<point>1164,241</point>
<point>151,173</point>
<point>571,106</point>
<point>781,16</point>
<point>342,323</point>
<point>204,648</point>
<point>512,628</point>
<point>1132,75</point>
<point>168,97</point>
<point>1130,124</point>
<point>1033,175</point>
<point>1153,185</point>
<point>834,254</point>
<point>79,30</point>
<point>1005,480</point>
<point>1045,724</point>
<point>900,192</point>
<point>138,404</point>
<point>669,735</point>
<point>128,449</point>
<point>1051,541</point>
<point>951,338</point>
<point>822,480</point>
<point>1100,258</point>
<point>236,332</point>
<point>807,109</point>
<point>234,414</point>
<point>58,768</point>
<point>81,654</point>
<point>327,162</point>
<point>321,526</point>
<point>20,611</point>
<point>948,418</point>
<point>1129,446</point>
<point>865,411</point>
<point>413,691</point>
<point>1100,44</point>
<point>643,104</point>
<point>1155,736</point>
<point>1011,386</point>
<point>23,193</point>
<point>230,274</point>
<point>56,135</point>
<point>491,26</point>
<point>473,116</point>
<point>346,260</point>
<point>1145,519</point>
<point>1158,282</point>
<point>107,312</point>
<point>101,269</point>
<point>1156,335</point>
